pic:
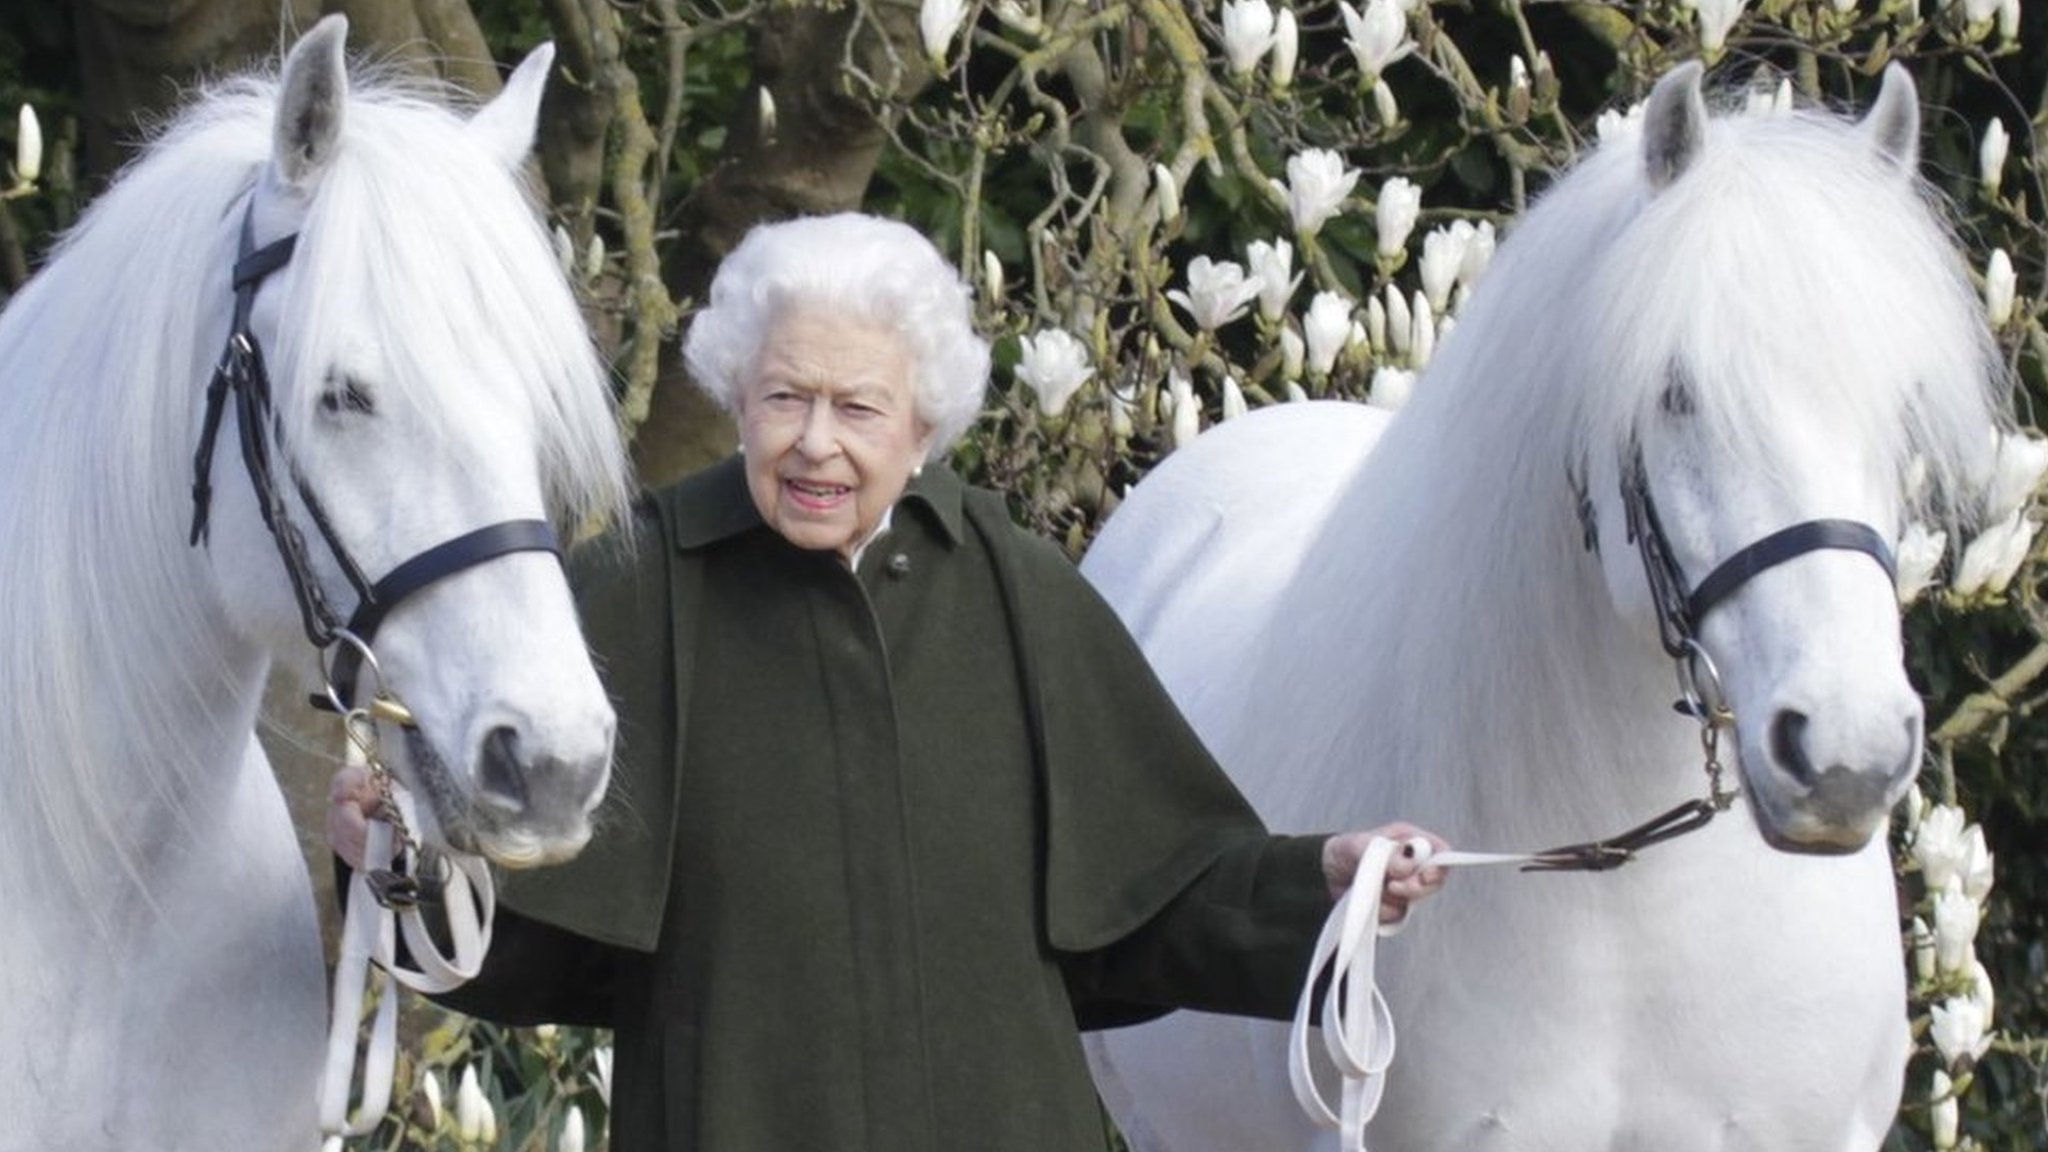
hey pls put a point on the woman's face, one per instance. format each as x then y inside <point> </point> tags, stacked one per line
<point>829,426</point>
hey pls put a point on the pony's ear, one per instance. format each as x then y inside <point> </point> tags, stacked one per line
<point>506,124</point>
<point>1674,124</point>
<point>1893,123</point>
<point>314,93</point>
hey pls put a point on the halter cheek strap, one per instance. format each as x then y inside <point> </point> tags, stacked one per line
<point>242,372</point>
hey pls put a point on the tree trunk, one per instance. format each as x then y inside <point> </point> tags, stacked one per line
<point>137,56</point>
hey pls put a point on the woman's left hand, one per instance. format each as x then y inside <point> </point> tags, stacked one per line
<point>1408,878</point>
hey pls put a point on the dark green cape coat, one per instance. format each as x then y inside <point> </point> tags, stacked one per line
<point>879,843</point>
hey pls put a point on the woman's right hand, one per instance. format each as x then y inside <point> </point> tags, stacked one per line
<point>351,802</point>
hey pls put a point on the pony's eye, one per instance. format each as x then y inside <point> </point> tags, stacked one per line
<point>346,395</point>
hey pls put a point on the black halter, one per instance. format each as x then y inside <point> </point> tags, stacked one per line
<point>241,371</point>
<point>1682,609</point>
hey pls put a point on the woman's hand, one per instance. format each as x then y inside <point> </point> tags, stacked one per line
<point>351,801</point>
<point>1408,878</point>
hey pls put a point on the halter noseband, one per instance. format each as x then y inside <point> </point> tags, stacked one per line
<point>241,371</point>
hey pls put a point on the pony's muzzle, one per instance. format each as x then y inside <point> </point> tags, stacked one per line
<point>1836,788</point>
<point>533,805</point>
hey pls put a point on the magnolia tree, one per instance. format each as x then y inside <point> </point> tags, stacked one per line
<point>1173,212</point>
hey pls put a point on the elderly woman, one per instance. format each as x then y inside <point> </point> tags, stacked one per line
<point>900,807</point>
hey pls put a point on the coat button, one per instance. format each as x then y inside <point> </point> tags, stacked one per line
<point>899,565</point>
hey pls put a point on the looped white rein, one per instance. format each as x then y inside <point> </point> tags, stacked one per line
<point>1357,1028</point>
<point>370,932</point>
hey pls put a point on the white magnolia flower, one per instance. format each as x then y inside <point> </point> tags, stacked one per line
<point>331,1144</point>
<point>1772,102</point>
<point>992,276</point>
<point>1400,322</point>
<point>572,1131</point>
<point>601,1074</point>
<point>2000,285</point>
<point>1975,874</point>
<point>1286,50</point>
<point>1922,940</point>
<point>937,21</point>
<point>1295,393</point>
<point>1399,205</point>
<point>1186,411</point>
<point>1443,254</point>
<point>1327,325</point>
<point>1422,333</point>
<point>1478,255</point>
<point>1843,6</point>
<point>1956,917</point>
<point>1055,365</point>
<point>1716,17</point>
<point>2009,20</point>
<point>28,147</point>
<point>1233,399</point>
<point>1991,156</point>
<point>1920,552</point>
<point>1317,183</point>
<point>1981,991</point>
<point>1377,36</point>
<point>593,257</point>
<point>430,1087</point>
<point>1247,33</point>
<point>1390,387</point>
<point>1938,845</point>
<point>2020,458</point>
<point>1611,125</point>
<point>766,107</point>
<point>1293,354</point>
<point>1121,425</point>
<point>1979,11</point>
<point>1273,264</point>
<point>1376,326</point>
<point>475,1122</point>
<point>1518,77</point>
<point>1166,191</point>
<point>1217,292</point>
<point>1990,561</point>
<point>1912,808</point>
<point>1960,1030</point>
<point>1943,1115</point>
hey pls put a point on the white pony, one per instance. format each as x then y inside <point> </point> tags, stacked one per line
<point>161,983</point>
<point>1457,629</point>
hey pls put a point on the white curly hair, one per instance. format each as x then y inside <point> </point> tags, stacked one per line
<point>877,270</point>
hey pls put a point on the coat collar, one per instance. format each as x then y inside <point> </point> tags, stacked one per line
<point>714,505</point>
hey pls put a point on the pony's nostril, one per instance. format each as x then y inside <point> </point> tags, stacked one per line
<point>499,779</point>
<point>1788,744</point>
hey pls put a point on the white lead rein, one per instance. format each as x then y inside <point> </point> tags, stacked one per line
<point>1357,1028</point>
<point>370,932</point>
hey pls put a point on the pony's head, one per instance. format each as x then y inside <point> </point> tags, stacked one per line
<point>1780,332</point>
<point>430,375</point>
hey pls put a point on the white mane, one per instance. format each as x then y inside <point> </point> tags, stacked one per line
<point>103,356</point>
<point>1463,556</point>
